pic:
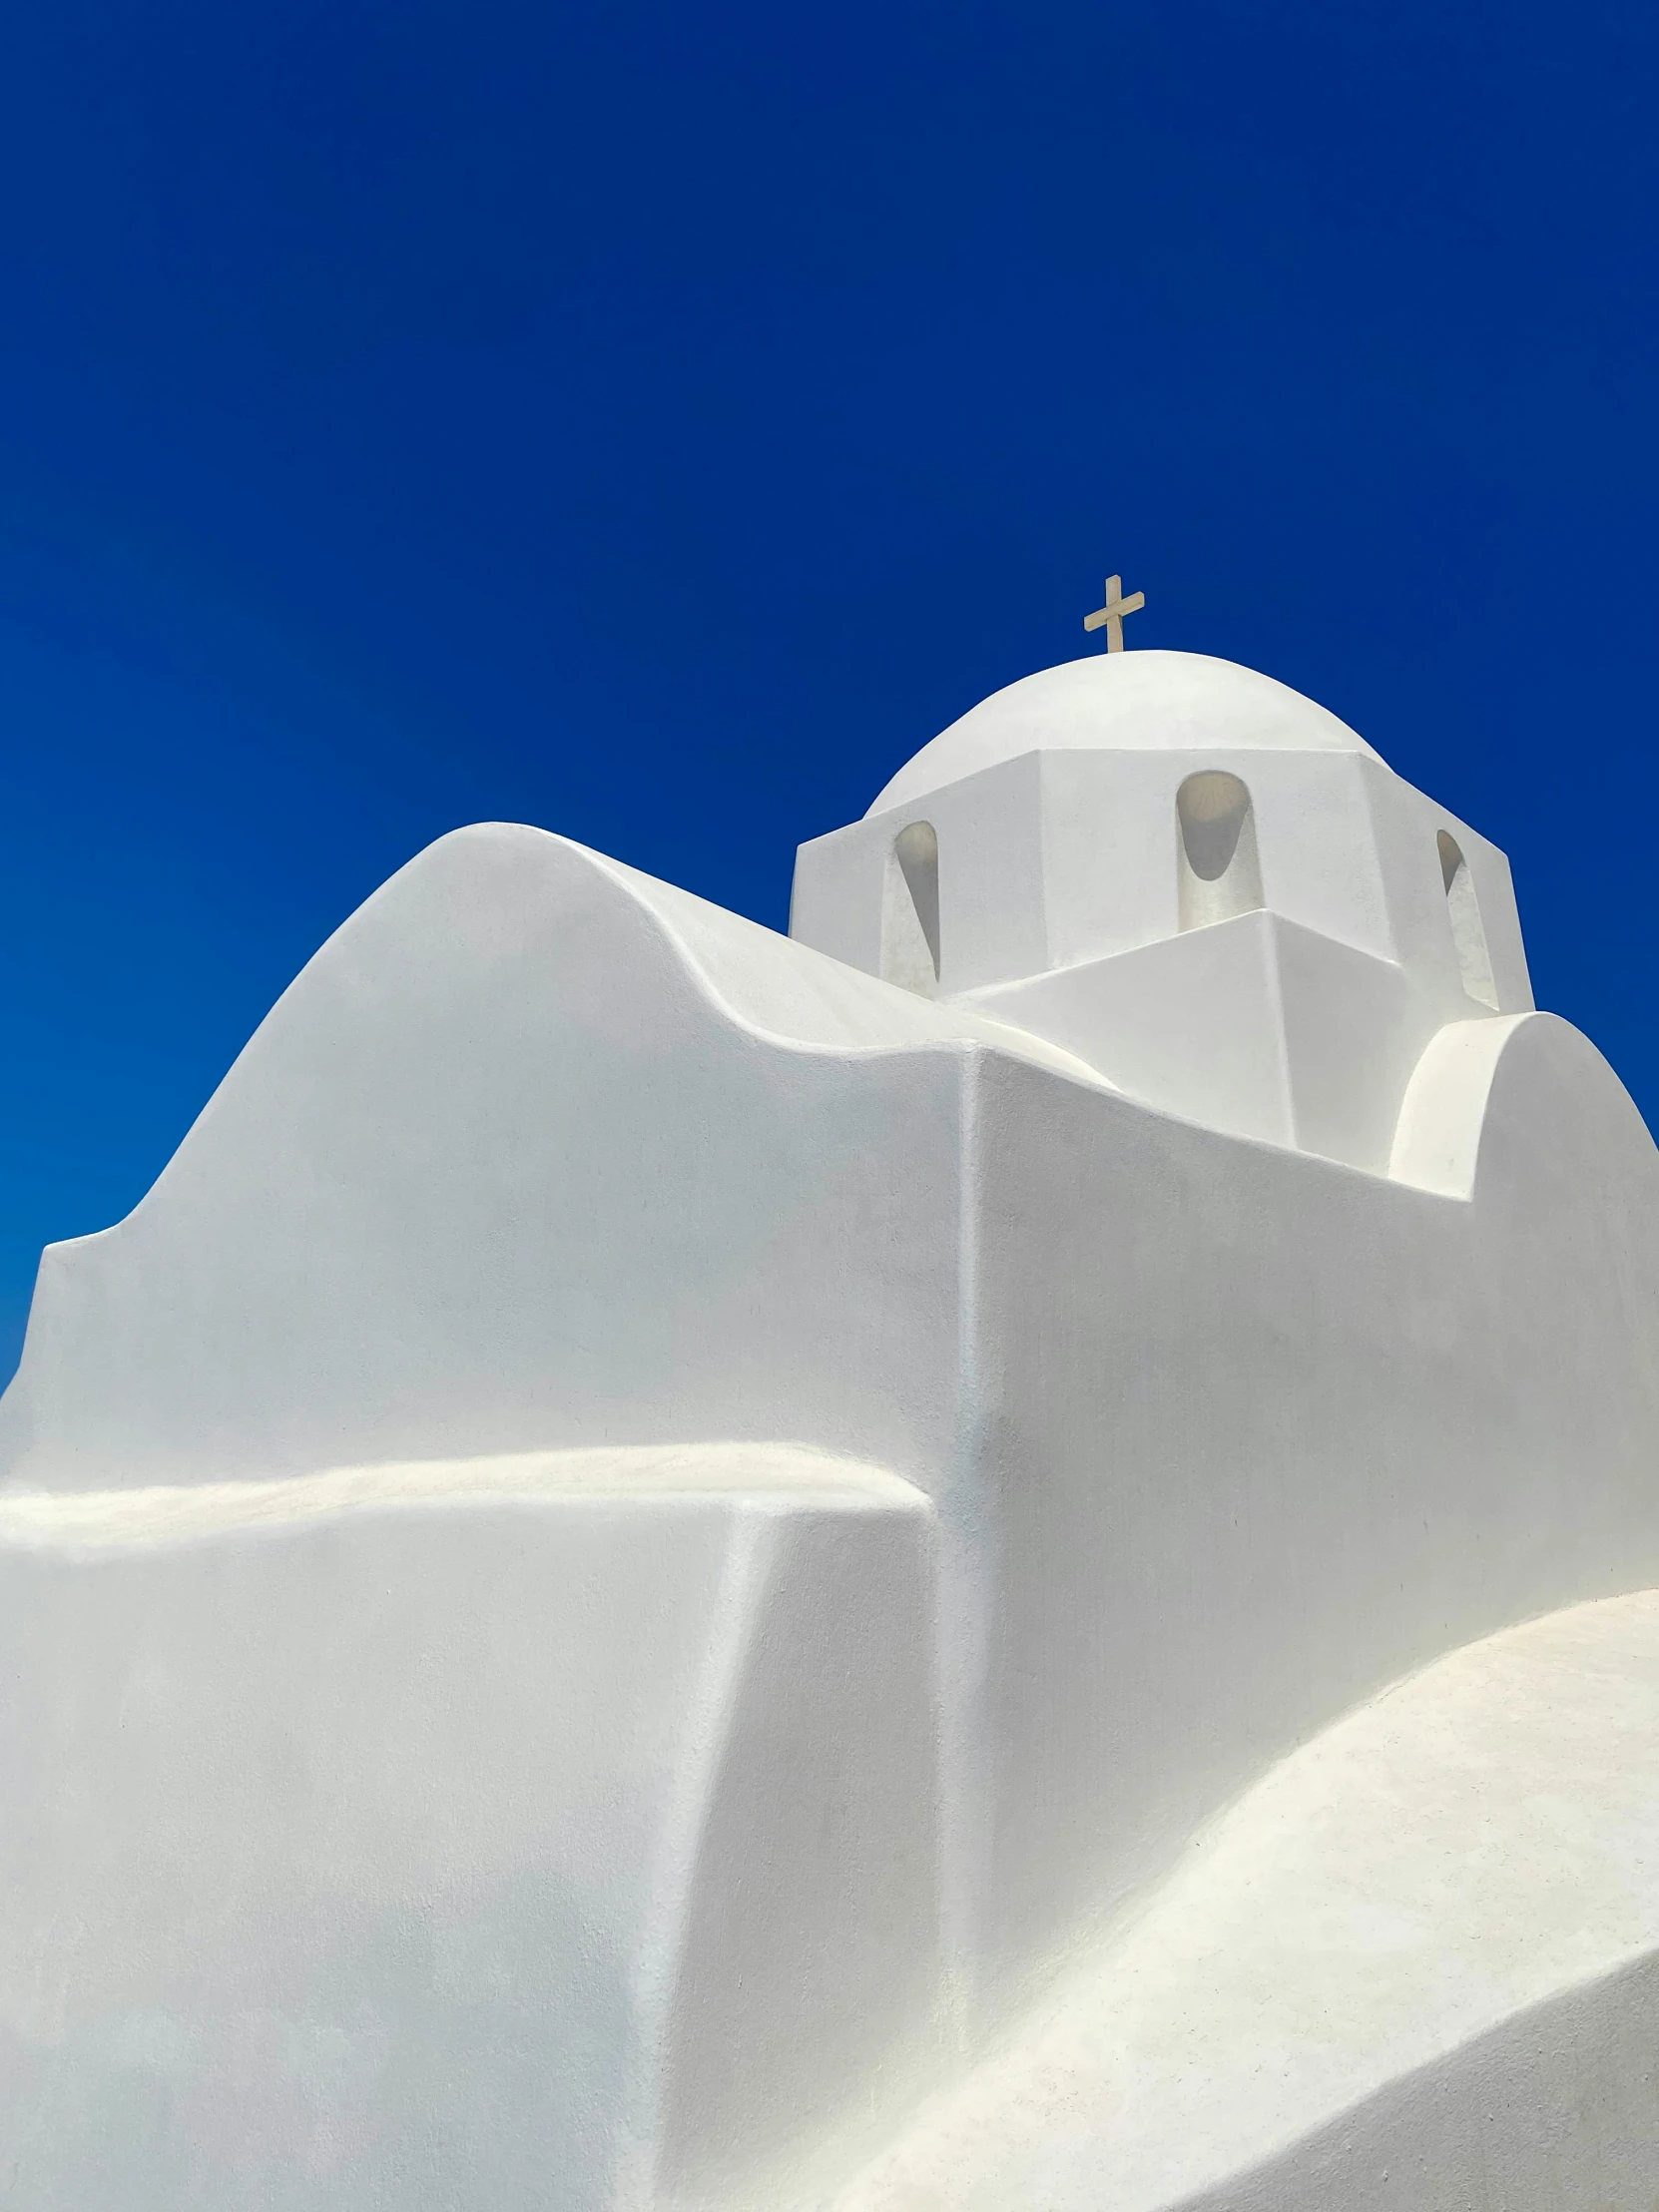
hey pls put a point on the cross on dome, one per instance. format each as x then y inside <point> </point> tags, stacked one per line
<point>1113,612</point>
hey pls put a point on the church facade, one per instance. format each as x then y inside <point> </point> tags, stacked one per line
<point>991,1556</point>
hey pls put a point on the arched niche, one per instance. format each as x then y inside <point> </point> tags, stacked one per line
<point>910,911</point>
<point>1220,873</point>
<point>1468,931</point>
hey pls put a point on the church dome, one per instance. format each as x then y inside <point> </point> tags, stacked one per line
<point>1139,702</point>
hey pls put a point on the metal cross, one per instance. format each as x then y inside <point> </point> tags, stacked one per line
<point>1113,612</point>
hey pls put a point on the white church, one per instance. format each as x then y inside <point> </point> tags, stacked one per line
<point>1002,1556</point>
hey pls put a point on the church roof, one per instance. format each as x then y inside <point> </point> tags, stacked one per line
<point>1139,702</point>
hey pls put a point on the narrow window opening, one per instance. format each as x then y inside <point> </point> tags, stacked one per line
<point>910,911</point>
<point>1220,873</point>
<point>1467,933</point>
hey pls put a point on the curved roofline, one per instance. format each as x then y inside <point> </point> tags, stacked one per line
<point>1140,702</point>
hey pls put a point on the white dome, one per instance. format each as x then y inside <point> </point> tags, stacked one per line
<point>1146,702</point>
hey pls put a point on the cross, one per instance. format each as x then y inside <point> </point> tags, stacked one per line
<point>1113,612</point>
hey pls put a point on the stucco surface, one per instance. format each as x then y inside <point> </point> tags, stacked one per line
<point>1396,1972</point>
<point>1124,702</point>
<point>652,1552</point>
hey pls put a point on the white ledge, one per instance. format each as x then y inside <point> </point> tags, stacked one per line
<point>779,1476</point>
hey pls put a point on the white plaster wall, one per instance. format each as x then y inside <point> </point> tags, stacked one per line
<point>1220,1437</point>
<point>452,1201</point>
<point>1406,824</point>
<point>1055,807</point>
<point>497,1173</point>
<point>993,916</point>
<point>1353,1032</point>
<point>1064,855</point>
<point>1549,2111</point>
<point>1413,1970</point>
<point>557,1832</point>
<point>1059,795</point>
<point>1252,1025</point>
<point>1258,1432</point>
<point>1191,1024</point>
<point>1143,702</point>
<point>1110,846</point>
<point>1113,845</point>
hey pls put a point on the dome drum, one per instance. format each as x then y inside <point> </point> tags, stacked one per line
<point>1083,826</point>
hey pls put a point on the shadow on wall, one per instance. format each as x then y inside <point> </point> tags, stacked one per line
<point>1467,932</point>
<point>910,911</point>
<point>1220,873</point>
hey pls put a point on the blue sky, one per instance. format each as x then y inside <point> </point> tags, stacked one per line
<point>655,423</point>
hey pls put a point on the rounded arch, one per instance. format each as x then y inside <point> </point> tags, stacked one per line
<point>1220,874</point>
<point>1468,933</point>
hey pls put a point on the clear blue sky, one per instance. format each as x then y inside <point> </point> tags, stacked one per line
<point>655,423</point>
